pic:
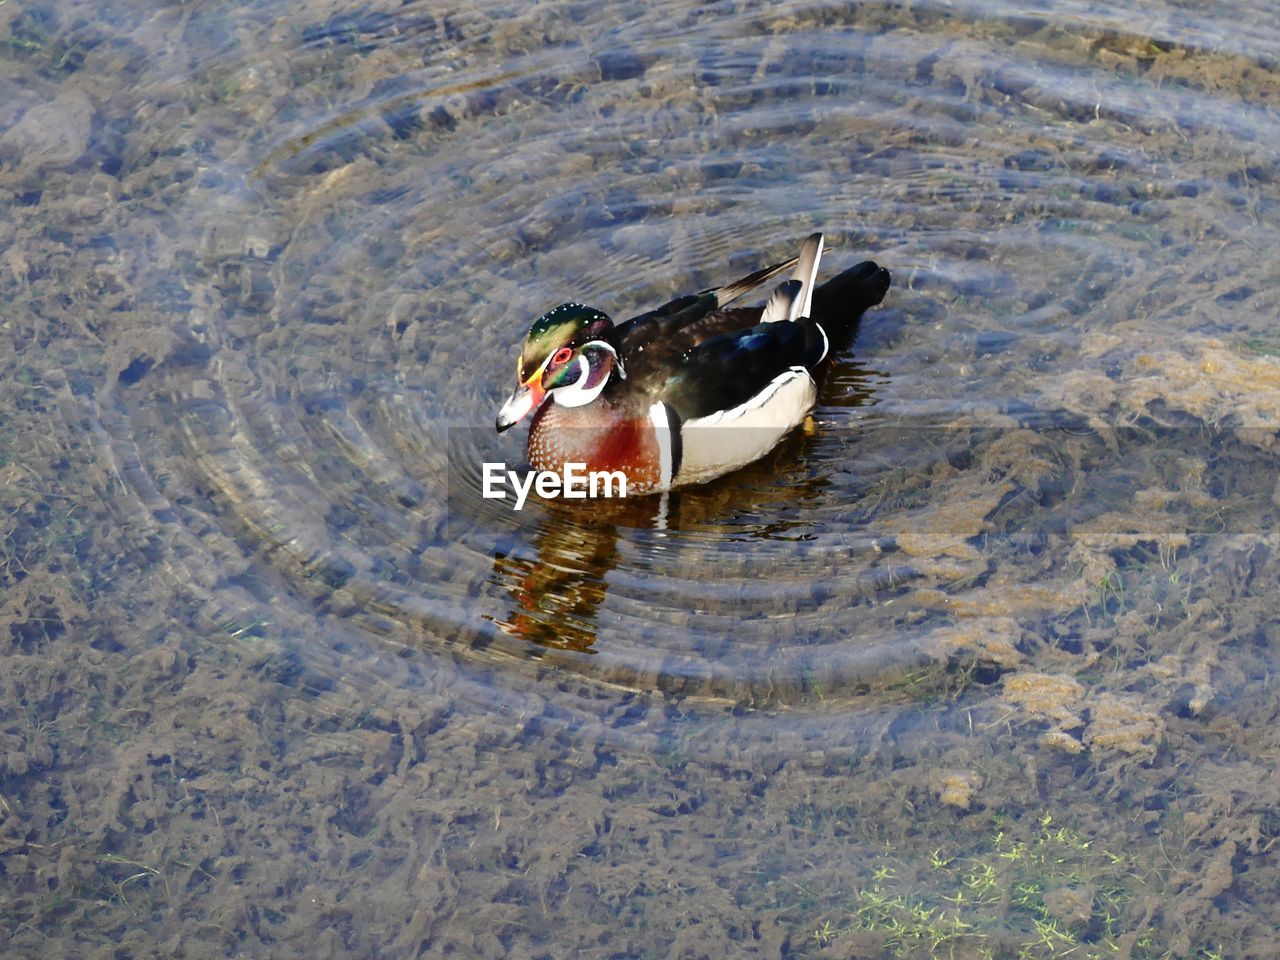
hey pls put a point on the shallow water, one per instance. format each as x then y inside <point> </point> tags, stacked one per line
<point>979,663</point>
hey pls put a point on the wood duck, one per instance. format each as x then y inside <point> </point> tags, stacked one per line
<point>689,391</point>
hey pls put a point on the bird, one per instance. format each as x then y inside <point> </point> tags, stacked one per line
<point>693,389</point>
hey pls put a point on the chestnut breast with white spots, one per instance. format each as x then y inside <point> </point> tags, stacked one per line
<point>599,436</point>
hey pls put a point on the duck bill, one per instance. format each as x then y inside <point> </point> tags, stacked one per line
<point>526,398</point>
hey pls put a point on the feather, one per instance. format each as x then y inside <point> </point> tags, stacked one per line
<point>807,273</point>
<point>732,291</point>
<point>782,305</point>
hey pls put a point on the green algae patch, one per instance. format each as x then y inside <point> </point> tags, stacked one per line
<point>1052,892</point>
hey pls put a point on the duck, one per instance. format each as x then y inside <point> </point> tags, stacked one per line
<point>693,389</point>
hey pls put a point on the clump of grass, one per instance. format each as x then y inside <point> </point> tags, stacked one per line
<point>909,926</point>
<point>1110,599</point>
<point>996,904</point>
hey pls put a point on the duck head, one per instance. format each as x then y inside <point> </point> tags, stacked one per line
<point>568,356</point>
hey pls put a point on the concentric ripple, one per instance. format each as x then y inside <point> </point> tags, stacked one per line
<point>304,432</point>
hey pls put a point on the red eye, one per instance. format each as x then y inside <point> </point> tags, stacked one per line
<point>561,356</point>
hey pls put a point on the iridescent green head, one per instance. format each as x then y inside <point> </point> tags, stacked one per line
<point>567,327</point>
<point>568,355</point>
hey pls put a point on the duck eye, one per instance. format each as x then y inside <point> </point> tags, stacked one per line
<point>561,356</point>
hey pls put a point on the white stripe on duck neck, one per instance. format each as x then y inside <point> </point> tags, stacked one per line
<point>578,394</point>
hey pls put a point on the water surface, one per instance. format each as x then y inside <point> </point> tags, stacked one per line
<point>979,663</point>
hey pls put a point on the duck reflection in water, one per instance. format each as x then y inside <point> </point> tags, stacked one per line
<point>556,594</point>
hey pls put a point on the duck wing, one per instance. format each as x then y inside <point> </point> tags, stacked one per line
<point>687,320</point>
<point>740,366</point>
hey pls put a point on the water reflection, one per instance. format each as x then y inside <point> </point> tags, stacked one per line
<point>558,592</point>
<point>557,596</point>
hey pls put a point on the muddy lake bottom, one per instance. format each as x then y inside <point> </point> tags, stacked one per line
<point>979,664</point>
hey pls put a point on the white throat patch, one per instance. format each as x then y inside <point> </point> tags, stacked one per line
<point>578,394</point>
